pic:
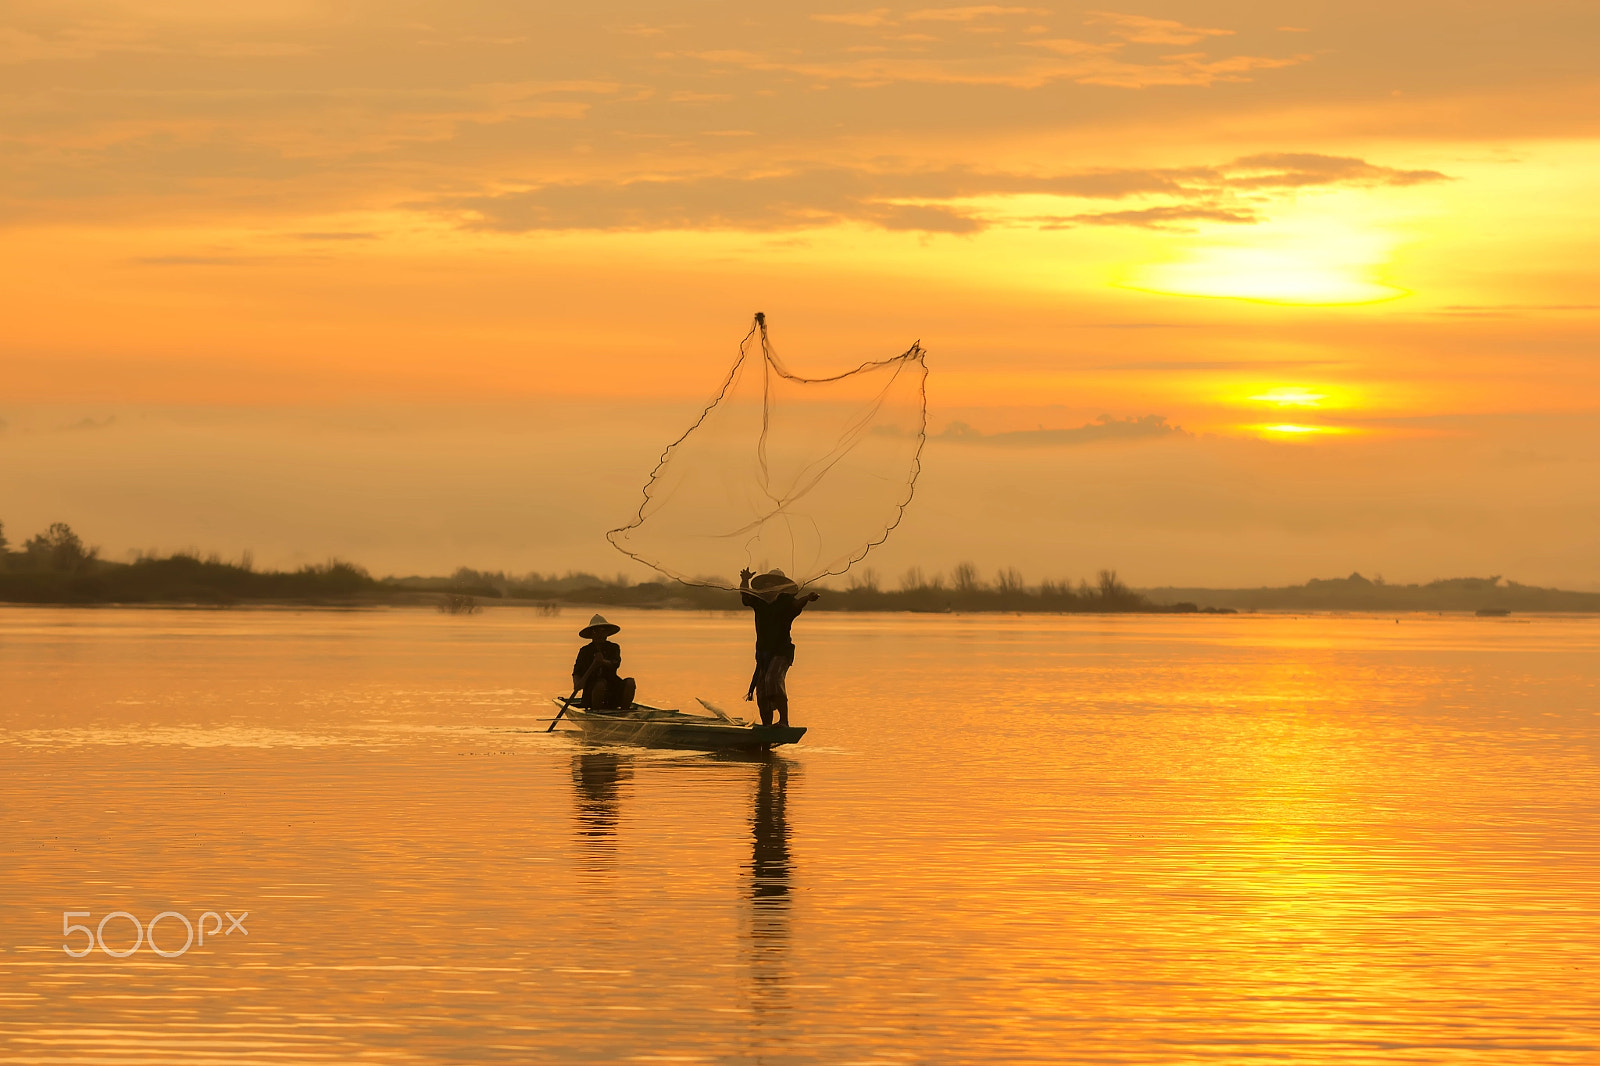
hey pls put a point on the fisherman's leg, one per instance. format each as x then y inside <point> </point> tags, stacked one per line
<point>778,672</point>
<point>598,696</point>
<point>764,694</point>
<point>629,689</point>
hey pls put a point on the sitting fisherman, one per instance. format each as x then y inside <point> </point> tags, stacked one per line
<point>772,597</point>
<point>595,671</point>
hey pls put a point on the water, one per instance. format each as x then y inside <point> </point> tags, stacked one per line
<point>1015,839</point>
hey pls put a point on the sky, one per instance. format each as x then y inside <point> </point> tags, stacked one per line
<point>1227,293</point>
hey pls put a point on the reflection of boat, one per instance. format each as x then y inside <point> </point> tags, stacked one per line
<point>659,727</point>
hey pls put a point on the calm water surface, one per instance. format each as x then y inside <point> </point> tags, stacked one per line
<point>1005,840</point>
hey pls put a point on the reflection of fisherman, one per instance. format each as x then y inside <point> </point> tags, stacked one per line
<point>771,880</point>
<point>595,671</point>
<point>772,597</point>
<point>599,776</point>
<point>769,856</point>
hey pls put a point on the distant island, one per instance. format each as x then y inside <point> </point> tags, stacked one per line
<point>1485,595</point>
<point>57,567</point>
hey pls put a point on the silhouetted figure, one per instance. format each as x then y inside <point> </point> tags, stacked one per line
<point>771,874</point>
<point>769,829</point>
<point>772,597</point>
<point>599,777</point>
<point>594,674</point>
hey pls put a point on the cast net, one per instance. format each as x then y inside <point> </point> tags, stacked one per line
<point>803,474</point>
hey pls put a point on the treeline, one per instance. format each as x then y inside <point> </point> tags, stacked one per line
<point>966,590</point>
<point>56,566</point>
<point>963,590</point>
<point>574,586</point>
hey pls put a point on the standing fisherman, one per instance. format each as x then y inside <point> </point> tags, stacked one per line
<point>772,597</point>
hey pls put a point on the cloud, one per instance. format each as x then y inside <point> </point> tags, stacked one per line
<point>797,199</point>
<point>925,218</point>
<point>88,424</point>
<point>1295,169</point>
<point>868,19</point>
<point>1187,365</point>
<point>1506,310</point>
<point>1072,62</point>
<point>194,260</point>
<point>733,201</point>
<point>1105,428</point>
<point>933,201</point>
<point>1013,54</point>
<point>794,200</point>
<point>1522,307</point>
<point>1154,217</point>
<point>1142,30</point>
<point>968,14</point>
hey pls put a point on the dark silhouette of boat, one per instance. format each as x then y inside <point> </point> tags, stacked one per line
<point>661,727</point>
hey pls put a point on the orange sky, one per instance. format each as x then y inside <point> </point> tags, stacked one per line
<point>369,279</point>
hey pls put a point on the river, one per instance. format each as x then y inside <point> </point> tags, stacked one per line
<point>1015,839</point>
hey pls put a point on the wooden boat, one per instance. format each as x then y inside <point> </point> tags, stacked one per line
<point>660,727</point>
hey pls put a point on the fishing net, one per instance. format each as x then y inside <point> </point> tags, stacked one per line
<point>803,474</point>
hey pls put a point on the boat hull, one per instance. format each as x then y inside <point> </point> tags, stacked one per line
<point>655,728</point>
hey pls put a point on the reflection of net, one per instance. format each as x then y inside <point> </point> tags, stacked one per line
<point>806,474</point>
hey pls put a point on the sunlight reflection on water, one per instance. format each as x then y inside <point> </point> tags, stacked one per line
<point>1140,839</point>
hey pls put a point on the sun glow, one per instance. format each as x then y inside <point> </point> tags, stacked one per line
<point>1292,430</point>
<point>1325,250</point>
<point>1265,276</point>
<point>1291,397</point>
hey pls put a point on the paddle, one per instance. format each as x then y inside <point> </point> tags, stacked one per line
<point>552,727</point>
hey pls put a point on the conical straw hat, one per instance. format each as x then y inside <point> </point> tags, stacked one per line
<point>599,627</point>
<point>772,584</point>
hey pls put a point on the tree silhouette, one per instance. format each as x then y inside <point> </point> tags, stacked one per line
<point>60,549</point>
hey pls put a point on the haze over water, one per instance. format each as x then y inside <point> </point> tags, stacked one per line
<point>1136,839</point>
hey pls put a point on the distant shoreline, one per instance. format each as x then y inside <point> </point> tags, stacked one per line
<point>431,605</point>
<point>55,568</point>
<point>1489,596</point>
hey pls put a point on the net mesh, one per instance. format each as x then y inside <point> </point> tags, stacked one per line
<point>781,471</point>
